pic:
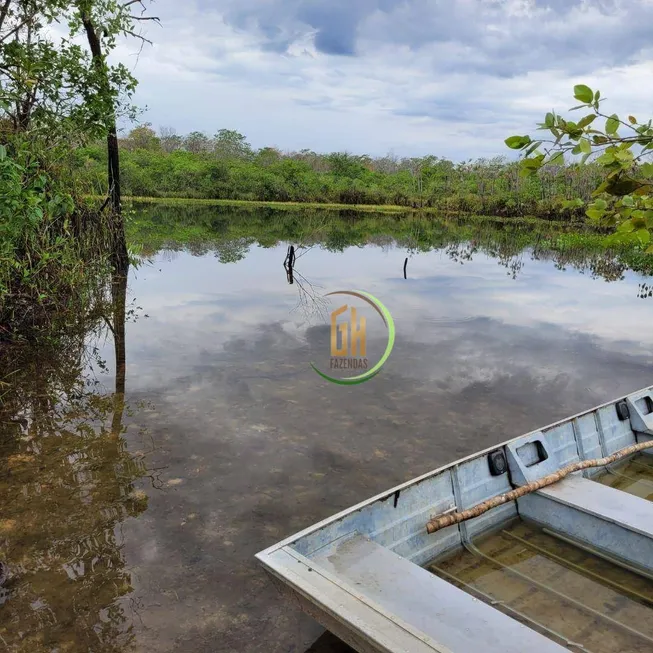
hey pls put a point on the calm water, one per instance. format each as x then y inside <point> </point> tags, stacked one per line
<point>133,527</point>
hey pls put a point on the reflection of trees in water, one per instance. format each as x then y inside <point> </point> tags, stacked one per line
<point>67,482</point>
<point>464,252</point>
<point>230,251</point>
<point>600,264</point>
<point>229,231</point>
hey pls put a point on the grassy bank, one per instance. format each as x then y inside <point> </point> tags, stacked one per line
<point>282,206</point>
<point>53,249</point>
<point>253,205</point>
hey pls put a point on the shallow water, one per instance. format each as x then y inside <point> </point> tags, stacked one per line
<point>568,594</point>
<point>133,527</point>
<point>634,476</point>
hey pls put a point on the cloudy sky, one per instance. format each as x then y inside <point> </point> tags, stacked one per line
<point>446,77</point>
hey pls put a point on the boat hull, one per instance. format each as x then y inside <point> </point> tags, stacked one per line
<point>361,572</point>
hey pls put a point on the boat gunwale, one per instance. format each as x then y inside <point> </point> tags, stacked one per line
<point>385,495</point>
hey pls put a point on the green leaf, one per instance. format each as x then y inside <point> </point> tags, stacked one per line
<point>649,250</point>
<point>643,236</point>
<point>617,186</point>
<point>530,166</point>
<point>639,221</point>
<point>583,93</point>
<point>600,204</point>
<point>595,214</point>
<point>626,226</point>
<point>549,120</point>
<point>632,120</point>
<point>587,120</point>
<point>533,147</point>
<point>558,159</point>
<point>612,124</point>
<point>517,142</point>
<point>606,158</point>
<point>624,156</point>
<point>627,200</point>
<point>597,96</point>
<point>3,152</point>
<point>585,146</point>
<point>646,169</point>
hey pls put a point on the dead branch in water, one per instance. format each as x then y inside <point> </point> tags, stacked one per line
<point>443,521</point>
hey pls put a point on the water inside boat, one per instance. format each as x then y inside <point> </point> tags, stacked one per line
<point>580,600</point>
<point>634,476</point>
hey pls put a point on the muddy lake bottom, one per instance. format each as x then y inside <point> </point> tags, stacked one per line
<point>133,527</point>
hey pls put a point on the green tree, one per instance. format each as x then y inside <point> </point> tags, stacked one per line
<point>52,88</point>
<point>267,156</point>
<point>143,137</point>
<point>344,164</point>
<point>624,198</point>
<point>197,142</point>
<point>230,144</point>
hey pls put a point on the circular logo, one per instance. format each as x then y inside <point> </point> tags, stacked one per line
<point>348,342</point>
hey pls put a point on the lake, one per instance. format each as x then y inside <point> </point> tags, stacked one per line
<point>131,522</point>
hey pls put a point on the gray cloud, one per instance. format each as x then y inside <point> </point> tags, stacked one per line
<point>502,37</point>
<point>451,78</point>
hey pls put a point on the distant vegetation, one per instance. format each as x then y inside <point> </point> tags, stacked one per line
<point>225,166</point>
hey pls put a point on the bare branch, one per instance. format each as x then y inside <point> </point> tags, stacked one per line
<point>4,10</point>
<point>137,36</point>
<point>154,18</point>
<point>16,29</point>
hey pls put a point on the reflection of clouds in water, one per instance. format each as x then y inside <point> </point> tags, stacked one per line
<point>262,447</point>
<point>265,448</point>
<point>196,305</point>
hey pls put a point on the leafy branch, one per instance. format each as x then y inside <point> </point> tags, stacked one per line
<point>623,199</point>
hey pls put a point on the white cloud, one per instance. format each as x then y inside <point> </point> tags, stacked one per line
<point>452,79</point>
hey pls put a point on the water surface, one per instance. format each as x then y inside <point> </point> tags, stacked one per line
<point>130,522</point>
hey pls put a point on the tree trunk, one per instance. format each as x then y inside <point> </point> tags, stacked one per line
<point>119,253</point>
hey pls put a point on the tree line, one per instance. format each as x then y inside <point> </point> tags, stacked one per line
<point>226,166</point>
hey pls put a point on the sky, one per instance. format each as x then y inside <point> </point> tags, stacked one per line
<point>451,78</point>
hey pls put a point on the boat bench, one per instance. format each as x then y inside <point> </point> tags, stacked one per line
<point>392,604</point>
<point>360,573</point>
<point>612,522</point>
